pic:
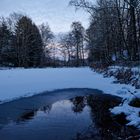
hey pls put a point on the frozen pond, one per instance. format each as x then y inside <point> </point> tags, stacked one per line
<point>73,114</point>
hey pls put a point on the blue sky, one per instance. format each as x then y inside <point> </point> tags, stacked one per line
<point>56,12</point>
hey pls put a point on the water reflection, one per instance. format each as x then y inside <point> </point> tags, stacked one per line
<point>27,116</point>
<point>79,104</point>
<point>107,126</point>
<point>30,114</point>
<point>79,118</point>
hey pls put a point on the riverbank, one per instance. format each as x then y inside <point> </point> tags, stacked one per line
<point>17,83</point>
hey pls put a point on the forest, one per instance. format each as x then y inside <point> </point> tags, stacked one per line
<point>113,37</point>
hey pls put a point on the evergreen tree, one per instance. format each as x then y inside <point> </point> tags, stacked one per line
<point>36,51</point>
<point>28,44</point>
<point>5,44</point>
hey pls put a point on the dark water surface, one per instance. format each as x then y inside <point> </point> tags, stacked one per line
<point>73,114</point>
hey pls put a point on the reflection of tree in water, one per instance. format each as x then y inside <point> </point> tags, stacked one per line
<point>79,104</point>
<point>31,113</point>
<point>46,109</point>
<point>106,127</point>
<point>28,116</point>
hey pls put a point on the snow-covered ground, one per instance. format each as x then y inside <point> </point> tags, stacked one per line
<point>15,83</point>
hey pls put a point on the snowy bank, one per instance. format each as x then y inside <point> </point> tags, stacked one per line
<point>17,83</point>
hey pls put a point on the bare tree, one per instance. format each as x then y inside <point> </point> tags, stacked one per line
<point>114,31</point>
<point>78,37</point>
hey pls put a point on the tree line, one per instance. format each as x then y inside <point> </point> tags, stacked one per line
<point>113,36</point>
<point>114,32</point>
<point>22,43</point>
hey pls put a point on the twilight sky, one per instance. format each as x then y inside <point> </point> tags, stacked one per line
<point>56,12</point>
